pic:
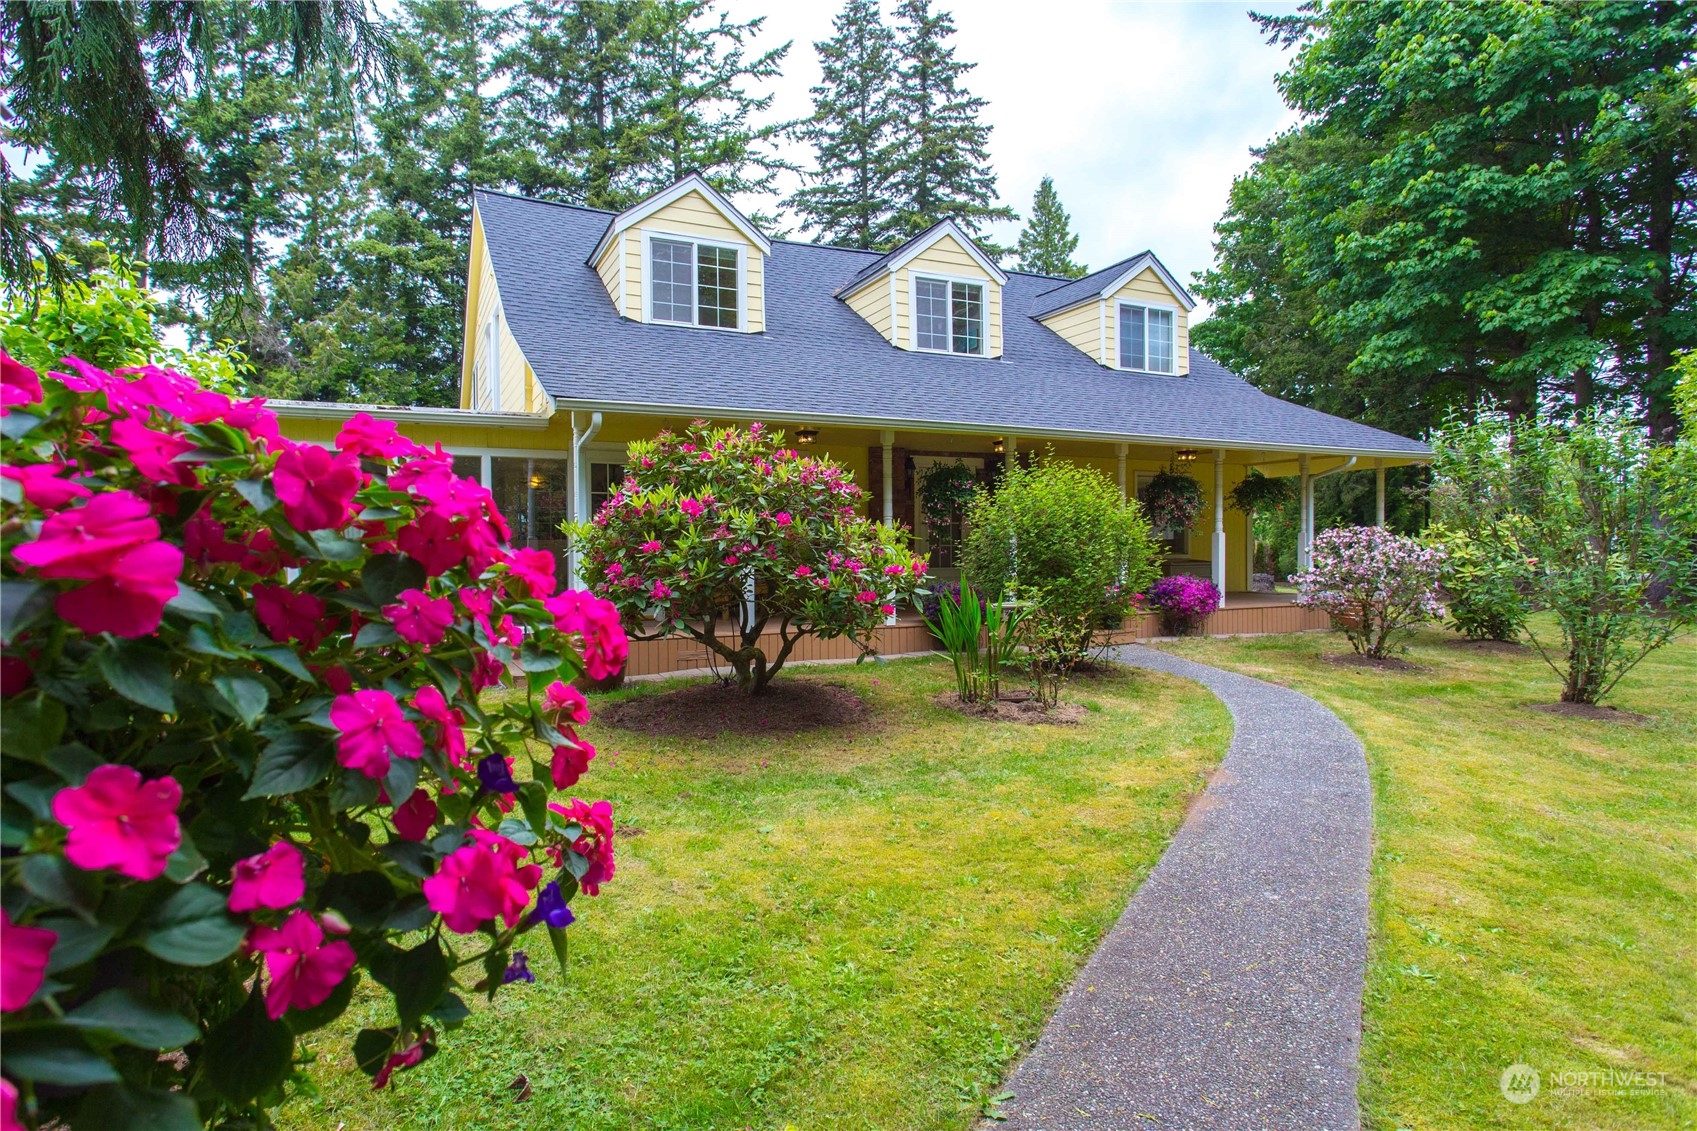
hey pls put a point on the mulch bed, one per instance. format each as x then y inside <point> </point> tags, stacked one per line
<point>1377,663</point>
<point>1590,711</point>
<point>1022,710</point>
<point>712,709</point>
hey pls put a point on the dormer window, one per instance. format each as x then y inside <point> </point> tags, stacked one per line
<point>948,315</point>
<point>693,283</point>
<point>1146,338</point>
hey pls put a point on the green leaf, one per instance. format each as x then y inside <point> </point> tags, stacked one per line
<point>332,547</point>
<point>136,1109</point>
<point>296,760</point>
<point>352,790</point>
<point>15,425</point>
<point>557,936</point>
<point>451,1012</point>
<point>192,928</point>
<point>326,1011</point>
<point>59,882</point>
<point>412,913</point>
<point>30,726</point>
<point>376,636</point>
<point>517,831</point>
<point>371,1049</point>
<point>186,862</point>
<point>533,802</point>
<point>77,942</point>
<point>21,603</point>
<point>248,1053</point>
<point>417,978</point>
<point>284,657</point>
<point>73,762</point>
<point>133,1020</point>
<point>140,673</point>
<point>54,1056</point>
<point>364,899</point>
<point>401,779</point>
<point>190,603</point>
<point>386,576</point>
<point>258,494</point>
<point>533,659</point>
<point>246,697</point>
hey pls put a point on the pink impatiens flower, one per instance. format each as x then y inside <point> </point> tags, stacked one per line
<point>304,969</point>
<point>85,542</point>
<point>364,435</point>
<point>119,821</point>
<point>486,879</point>
<point>44,486</point>
<point>130,599</point>
<point>420,618</point>
<point>152,452</point>
<point>691,507</point>
<point>273,879</point>
<point>571,762</point>
<point>414,819</point>
<point>23,961</point>
<point>409,1057</point>
<point>563,699</point>
<point>288,615</point>
<point>19,384</point>
<point>596,620</point>
<point>315,486</point>
<point>536,569</point>
<point>595,843</point>
<point>433,705</point>
<point>373,729</point>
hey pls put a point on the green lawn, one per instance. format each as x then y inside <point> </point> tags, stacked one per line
<point>1534,883</point>
<point>842,929</point>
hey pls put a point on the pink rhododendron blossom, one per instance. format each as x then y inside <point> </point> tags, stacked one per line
<point>691,507</point>
<point>287,615</point>
<point>595,843</point>
<point>783,518</point>
<point>918,568</point>
<point>153,452</point>
<point>571,762</point>
<point>414,820</point>
<point>578,612</point>
<point>130,600</point>
<point>420,618</point>
<point>803,571</point>
<point>486,879</point>
<point>19,384</point>
<point>85,542</point>
<point>660,591</point>
<point>866,597</point>
<point>305,970</point>
<point>44,486</point>
<point>315,486</point>
<point>561,698</point>
<point>118,820</point>
<point>433,705</point>
<point>373,729</point>
<point>887,610</point>
<point>650,547</point>
<point>364,435</point>
<point>23,961</point>
<point>274,879</point>
<point>536,570</point>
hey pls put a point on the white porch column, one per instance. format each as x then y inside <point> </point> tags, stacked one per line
<point>1379,486</point>
<point>1119,451</point>
<point>888,438</point>
<point>1218,562</point>
<point>1305,521</point>
<point>580,487</point>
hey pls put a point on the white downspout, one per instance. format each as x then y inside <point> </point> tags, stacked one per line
<point>1309,479</point>
<point>1219,547</point>
<point>580,488</point>
<point>1304,514</point>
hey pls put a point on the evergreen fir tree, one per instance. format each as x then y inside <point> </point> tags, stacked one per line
<point>847,198</point>
<point>941,149</point>
<point>1047,244</point>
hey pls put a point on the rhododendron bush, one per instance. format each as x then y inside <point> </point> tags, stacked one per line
<point>246,762</point>
<point>1375,585</point>
<point>707,519</point>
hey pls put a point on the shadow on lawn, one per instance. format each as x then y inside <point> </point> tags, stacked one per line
<point>712,709</point>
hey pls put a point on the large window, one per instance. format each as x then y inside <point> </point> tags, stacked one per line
<point>695,284</point>
<point>535,497</point>
<point>604,479</point>
<point>948,316</point>
<point>1146,338</point>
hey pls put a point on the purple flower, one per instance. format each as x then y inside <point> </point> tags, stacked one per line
<point>518,970</point>
<point>496,775</point>
<point>551,908</point>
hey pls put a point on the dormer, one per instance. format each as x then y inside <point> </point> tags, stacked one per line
<point>1133,316</point>
<point>936,293</point>
<point>686,257</point>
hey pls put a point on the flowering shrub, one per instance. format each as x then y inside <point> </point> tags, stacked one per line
<point>244,749</point>
<point>704,519</point>
<point>1373,583</point>
<point>1184,602</point>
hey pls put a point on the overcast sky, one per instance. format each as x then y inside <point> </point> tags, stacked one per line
<point>1142,112</point>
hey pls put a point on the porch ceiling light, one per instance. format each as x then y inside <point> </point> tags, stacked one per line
<point>1185,455</point>
<point>806,435</point>
<point>998,445</point>
<point>537,483</point>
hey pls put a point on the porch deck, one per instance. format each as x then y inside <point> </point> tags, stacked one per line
<point>1245,614</point>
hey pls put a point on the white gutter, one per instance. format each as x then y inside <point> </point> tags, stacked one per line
<point>1333,471</point>
<point>343,410</point>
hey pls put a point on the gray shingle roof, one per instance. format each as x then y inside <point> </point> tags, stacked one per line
<point>819,362</point>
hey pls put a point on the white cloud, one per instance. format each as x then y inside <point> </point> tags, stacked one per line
<point>1142,112</point>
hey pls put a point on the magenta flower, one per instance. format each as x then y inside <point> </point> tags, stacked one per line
<point>571,762</point>
<point>804,571</point>
<point>486,879</point>
<point>409,1057</point>
<point>594,843</point>
<point>130,599</point>
<point>420,618</point>
<point>288,615</point>
<point>564,699</point>
<point>273,879</point>
<point>433,705</point>
<point>86,542</point>
<point>23,961</point>
<point>660,591</point>
<point>536,569</point>
<point>691,507</point>
<point>650,547</point>
<point>596,620</point>
<point>44,487</point>
<point>373,728</point>
<point>783,518</point>
<point>19,384</point>
<point>414,820</point>
<point>304,969</point>
<point>153,452</point>
<point>315,486</point>
<point>364,435</point>
<point>119,821</point>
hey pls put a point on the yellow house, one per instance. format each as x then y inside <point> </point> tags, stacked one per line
<point>586,329</point>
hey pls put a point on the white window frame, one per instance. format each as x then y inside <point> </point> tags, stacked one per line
<point>1119,307</point>
<point>649,235</point>
<point>983,285</point>
<point>489,390</point>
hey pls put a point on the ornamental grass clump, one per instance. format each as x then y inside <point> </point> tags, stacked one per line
<point>706,521</point>
<point>979,636</point>
<point>1184,602</point>
<point>1374,584</point>
<point>247,763</point>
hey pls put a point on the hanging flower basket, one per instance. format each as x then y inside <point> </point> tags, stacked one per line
<point>1172,500</point>
<point>945,489</point>
<point>1258,494</point>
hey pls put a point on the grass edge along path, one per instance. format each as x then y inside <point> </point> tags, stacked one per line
<point>1534,884</point>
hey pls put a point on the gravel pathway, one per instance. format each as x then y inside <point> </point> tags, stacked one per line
<point>1229,993</point>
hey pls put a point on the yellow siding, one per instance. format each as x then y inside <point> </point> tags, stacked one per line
<point>694,215</point>
<point>608,268</point>
<point>872,302</point>
<point>519,389</point>
<point>1082,326</point>
<point>945,257</point>
<point>1147,287</point>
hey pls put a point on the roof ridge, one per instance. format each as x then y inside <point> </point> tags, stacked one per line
<point>539,200</point>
